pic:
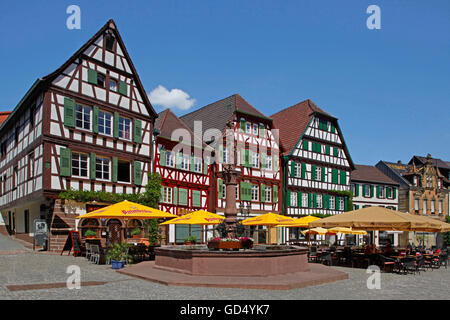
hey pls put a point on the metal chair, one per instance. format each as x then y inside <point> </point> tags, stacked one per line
<point>88,250</point>
<point>95,254</point>
<point>386,261</point>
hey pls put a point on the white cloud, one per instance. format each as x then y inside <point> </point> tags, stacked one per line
<point>174,98</point>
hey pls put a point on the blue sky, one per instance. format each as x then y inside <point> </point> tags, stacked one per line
<point>389,88</point>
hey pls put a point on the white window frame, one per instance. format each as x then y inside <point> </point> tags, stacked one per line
<point>433,206</point>
<point>416,204</point>
<point>381,192</point>
<point>255,192</point>
<point>85,110</point>
<point>304,200</point>
<point>255,129</point>
<point>104,124</point>
<point>367,190</point>
<point>248,127</point>
<point>298,170</point>
<point>319,173</point>
<point>268,162</point>
<point>341,204</point>
<point>80,154</point>
<point>268,194</point>
<point>294,198</point>
<point>319,201</point>
<point>123,124</point>
<point>185,160</point>
<point>113,88</point>
<point>102,170</point>
<point>167,195</point>
<point>440,203</point>
<point>170,159</point>
<point>225,155</point>
<point>255,160</point>
<point>332,202</point>
<point>424,206</point>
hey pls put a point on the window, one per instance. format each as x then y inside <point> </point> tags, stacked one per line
<point>30,165</point>
<point>298,169</point>
<point>184,165</point>
<point>293,199</point>
<point>15,177</point>
<point>104,123</point>
<point>415,181</point>
<point>439,183</point>
<point>123,171</point>
<point>255,192</point>
<point>367,191</point>
<point>424,206</point>
<point>83,117</point>
<point>440,206</point>
<point>197,165</point>
<point>341,204</point>
<point>380,192</point>
<point>416,205</point>
<point>225,155</point>
<point>429,182</point>
<point>170,159</point>
<point>113,85</point>
<point>304,199</point>
<point>101,80</point>
<point>389,193</point>
<point>255,160</point>
<point>269,162</point>
<point>102,168</point>
<point>166,194</point>
<point>109,42</point>
<point>80,166</point>
<point>248,127</point>
<point>268,194</point>
<point>432,206</point>
<point>318,173</point>
<point>319,201</point>
<point>124,128</point>
<point>255,129</point>
<point>332,202</point>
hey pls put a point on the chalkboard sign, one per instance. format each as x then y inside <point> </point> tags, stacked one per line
<point>73,243</point>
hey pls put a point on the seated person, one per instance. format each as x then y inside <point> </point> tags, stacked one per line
<point>388,248</point>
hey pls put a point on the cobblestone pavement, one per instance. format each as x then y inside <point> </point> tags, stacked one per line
<point>35,268</point>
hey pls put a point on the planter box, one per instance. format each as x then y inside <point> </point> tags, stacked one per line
<point>226,245</point>
<point>117,264</point>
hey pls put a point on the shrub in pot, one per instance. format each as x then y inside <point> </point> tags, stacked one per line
<point>118,254</point>
<point>90,234</point>
<point>136,233</point>
<point>190,240</point>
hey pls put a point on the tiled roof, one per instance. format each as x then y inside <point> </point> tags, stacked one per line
<point>4,115</point>
<point>292,122</point>
<point>370,174</point>
<point>167,122</point>
<point>217,114</point>
<point>436,162</point>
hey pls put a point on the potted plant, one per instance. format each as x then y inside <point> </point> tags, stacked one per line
<point>246,242</point>
<point>136,233</point>
<point>190,240</point>
<point>230,244</point>
<point>89,234</point>
<point>214,243</point>
<point>118,254</point>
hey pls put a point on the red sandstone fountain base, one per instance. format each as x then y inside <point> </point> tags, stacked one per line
<point>285,268</point>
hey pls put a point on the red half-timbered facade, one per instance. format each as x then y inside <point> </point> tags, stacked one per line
<point>257,156</point>
<point>185,173</point>
<point>87,126</point>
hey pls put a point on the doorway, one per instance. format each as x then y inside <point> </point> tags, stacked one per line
<point>114,232</point>
<point>26,217</point>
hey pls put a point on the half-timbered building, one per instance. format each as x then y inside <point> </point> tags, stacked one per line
<point>86,126</point>
<point>184,170</point>
<point>316,162</point>
<point>255,153</point>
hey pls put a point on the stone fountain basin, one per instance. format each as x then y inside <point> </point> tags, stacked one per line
<point>262,260</point>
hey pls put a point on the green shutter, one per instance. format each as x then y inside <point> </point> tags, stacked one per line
<point>123,88</point>
<point>181,232</point>
<point>324,170</point>
<point>242,125</point>
<point>343,177</point>
<point>137,131</point>
<point>288,198</point>
<point>69,112</point>
<point>356,190</point>
<point>303,170</point>
<point>326,201</point>
<point>205,166</point>
<point>394,190</point>
<point>335,151</point>
<point>137,173</point>
<point>196,196</point>
<point>220,160</point>
<point>275,194</point>
<point>162,157</point>
<point>305,145</point>
<point>220,188</point>
<point>299,199</point>
<point>262,131</point>
<point>183,197</point>
<point>371,191</point>
<point>275,163</point>
<point>356,207</point>
<point>192,164</point>
<point>116,124</point>
<point>92,76</point>
<point>115,169</point>
<point>310,200</point>
<point>315,200</point>
<point>334,176</point>
<point>378,191</point>
<point>65,162</point>
<point>363,190</point>
<point>318,148</point>
<point>95,119</point>
<point>263,193</point>
<point>332,128</point>
<point>175,196</point>
<point>336,203</point>
<point>93,164</point>
<point>327,149</point>
<point>313,172</point>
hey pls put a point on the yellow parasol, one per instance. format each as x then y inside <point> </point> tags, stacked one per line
<point>318,230</point>
<point>268,219</point>
<point>346,230</point>
<point>127,210</point>
<point>300,222</point>
<point>200,217</point>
